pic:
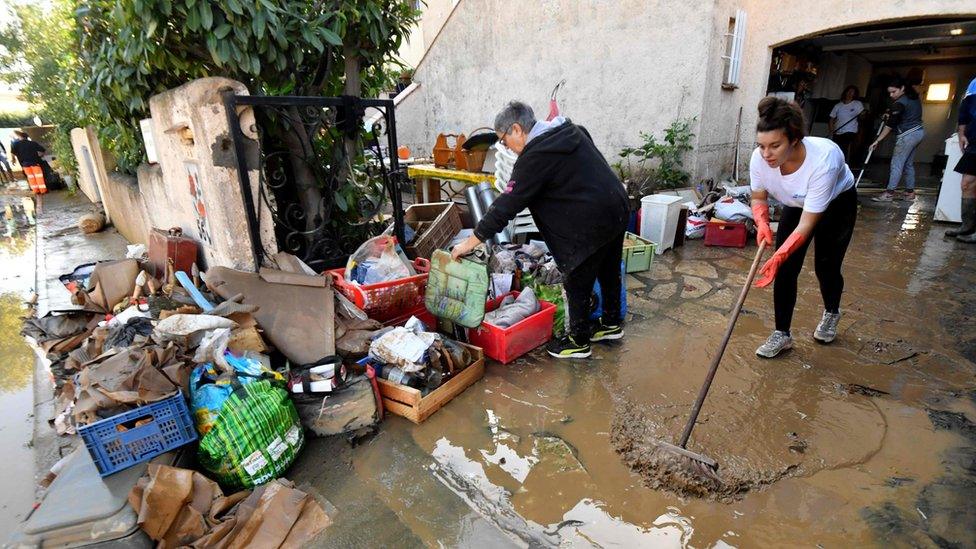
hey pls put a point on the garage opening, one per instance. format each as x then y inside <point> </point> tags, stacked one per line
<point>938,56</point>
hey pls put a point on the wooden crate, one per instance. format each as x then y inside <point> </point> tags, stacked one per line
<point>407,402</point>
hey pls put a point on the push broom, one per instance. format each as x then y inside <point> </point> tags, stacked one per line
<point>700,462</point>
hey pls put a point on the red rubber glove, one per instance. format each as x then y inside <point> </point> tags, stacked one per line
<point>760,214</point>
<point>769,269</point>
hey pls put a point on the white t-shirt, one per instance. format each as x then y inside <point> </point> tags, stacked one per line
<point>822,176</point>
<point>843,113</point>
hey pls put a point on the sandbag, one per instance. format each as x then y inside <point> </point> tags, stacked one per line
<point>350,409</point>
<point>457,290</point>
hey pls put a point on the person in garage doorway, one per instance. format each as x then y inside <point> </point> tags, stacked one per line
<point>581,209</point>
<point>843,123</point>
<point>906,121</point>
<point>967,166</point>
<point>809,177</point>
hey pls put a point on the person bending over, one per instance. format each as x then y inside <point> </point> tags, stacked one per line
<point>579,206</point>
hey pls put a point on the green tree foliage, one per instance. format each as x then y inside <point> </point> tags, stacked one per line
<point>132,49</point>
<point>37,51</point>
<point>15,119</point>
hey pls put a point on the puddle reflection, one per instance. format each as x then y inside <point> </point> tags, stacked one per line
<point>586,524</point>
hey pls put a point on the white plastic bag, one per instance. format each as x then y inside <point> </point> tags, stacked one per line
<point>695,227</point>
<point>376,261</point>
<point>730,209</point>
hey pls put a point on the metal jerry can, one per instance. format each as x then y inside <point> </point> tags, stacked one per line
<point>171,245</point>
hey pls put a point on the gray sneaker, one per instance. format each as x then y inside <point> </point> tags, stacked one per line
<point>777,343</point>
<point>827,329</point>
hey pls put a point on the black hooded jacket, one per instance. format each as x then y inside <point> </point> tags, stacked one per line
<point>576,200</point>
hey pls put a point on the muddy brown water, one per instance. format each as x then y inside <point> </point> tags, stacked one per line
<point>17,255</point>
<point>869,441</point>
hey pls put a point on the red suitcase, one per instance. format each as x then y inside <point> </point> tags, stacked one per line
<point>171,244</point>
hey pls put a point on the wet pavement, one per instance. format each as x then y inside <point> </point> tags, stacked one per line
<point>869,441</point>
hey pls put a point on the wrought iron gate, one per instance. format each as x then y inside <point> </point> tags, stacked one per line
<point>323,176</point>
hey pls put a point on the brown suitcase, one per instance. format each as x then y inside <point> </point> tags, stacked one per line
<point>171,244</point>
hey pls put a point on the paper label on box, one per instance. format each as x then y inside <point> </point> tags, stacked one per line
<point>276,448</point>
<point>293,435</point>
<point>254,462</point>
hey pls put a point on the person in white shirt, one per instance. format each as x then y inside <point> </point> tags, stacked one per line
<point>842,126</point>
<point>809,177</point>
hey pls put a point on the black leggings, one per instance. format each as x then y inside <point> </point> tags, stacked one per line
<point>602,265</point>
<point>832,234</point>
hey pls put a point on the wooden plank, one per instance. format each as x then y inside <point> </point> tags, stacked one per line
<point>402,410</point>
<point>400,393</point>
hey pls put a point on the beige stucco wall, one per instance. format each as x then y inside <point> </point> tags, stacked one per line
<point>193,139</point>
<point>192,135</point>
<point>626,69</point>
<point>434,13</point>
<point>775,23</point>
<point>629,65</point>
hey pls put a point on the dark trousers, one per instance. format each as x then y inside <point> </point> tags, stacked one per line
<point>602,265</point>
<point>846,143</point>
<point>832,236</point>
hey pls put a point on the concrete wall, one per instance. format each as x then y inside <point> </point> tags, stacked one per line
<point>195,185</point>
<point>629,65</point>
<point>200,190</point>
<point>775,23</point>
<point>626,68</point>
<point>434,13</point>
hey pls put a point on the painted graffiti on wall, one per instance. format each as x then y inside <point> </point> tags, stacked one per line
<point>196,191</point>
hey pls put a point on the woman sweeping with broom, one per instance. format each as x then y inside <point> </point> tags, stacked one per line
<point>809,177</point>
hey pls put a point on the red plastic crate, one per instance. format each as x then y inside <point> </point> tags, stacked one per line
<point>385,301</point>
<point>723,233</point>
<point>507,344</point>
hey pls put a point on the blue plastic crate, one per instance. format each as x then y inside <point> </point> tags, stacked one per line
<point>113,450</point>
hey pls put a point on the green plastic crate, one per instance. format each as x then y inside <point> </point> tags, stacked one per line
<point>638,258</point>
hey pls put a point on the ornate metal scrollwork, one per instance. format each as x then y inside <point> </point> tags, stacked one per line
<point>325,191</point>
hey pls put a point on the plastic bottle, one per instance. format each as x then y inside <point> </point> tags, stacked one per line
<point>396,375</point>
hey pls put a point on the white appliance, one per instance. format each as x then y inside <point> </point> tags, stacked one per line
<point>950,194</point>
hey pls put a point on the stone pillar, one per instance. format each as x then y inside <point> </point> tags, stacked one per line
<point>201,191</point>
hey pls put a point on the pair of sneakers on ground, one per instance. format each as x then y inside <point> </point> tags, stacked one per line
<point>780,341</point>
<point>889,196</point>
<point>568,347</point>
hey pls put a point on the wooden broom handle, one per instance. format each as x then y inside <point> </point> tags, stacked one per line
<point>686,434</point>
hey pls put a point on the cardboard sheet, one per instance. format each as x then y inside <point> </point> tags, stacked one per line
<point>297,319</point>
<point>180,507</point>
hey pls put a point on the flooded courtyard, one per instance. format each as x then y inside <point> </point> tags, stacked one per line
<point>868,441</point>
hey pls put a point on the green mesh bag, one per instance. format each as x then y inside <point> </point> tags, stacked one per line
<point>256,436</point>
